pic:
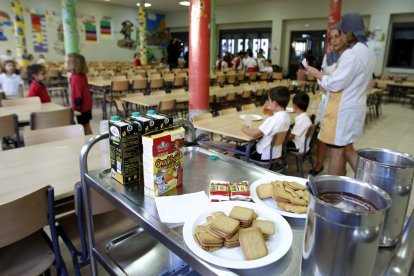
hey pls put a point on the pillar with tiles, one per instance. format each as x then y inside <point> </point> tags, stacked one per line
<point>69,26</point>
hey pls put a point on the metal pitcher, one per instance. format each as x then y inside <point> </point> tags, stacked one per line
<point>393,172</point>
<point>340,241</point>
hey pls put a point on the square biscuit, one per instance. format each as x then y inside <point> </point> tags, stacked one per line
<point>252,243</point>
<point>241,213</point>
<point>265,191</point>
<point>294,185</point>
<point>225,225</point>
<point>266,226</point>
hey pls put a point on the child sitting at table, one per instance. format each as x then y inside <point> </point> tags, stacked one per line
<point>37,74</point>
<point>10,82</point>
<point>79,89</point>
<point>297,137</point>
<point>279,122</point>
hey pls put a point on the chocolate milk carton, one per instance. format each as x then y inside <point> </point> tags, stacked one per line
<point>124,150</point>
<point>163,161</point>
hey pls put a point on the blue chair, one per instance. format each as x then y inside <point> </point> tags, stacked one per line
<point>25,248</point>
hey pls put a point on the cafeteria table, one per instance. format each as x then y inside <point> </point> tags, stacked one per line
<point>23,111</point>
<point>199,169</point>
<point>24,170</point>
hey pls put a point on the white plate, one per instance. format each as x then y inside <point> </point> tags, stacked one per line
<point>289,109</point>
<point>278,244</point>
<point>270,202</point>
<point>253,116</point>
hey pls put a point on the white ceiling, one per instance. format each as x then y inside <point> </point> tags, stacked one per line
<point>163,5</point>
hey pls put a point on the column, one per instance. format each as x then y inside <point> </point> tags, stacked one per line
<point>142,16</point>
<point>19,33</point>
<point>335,7</point>
<point>213,36</point>
<point>69,26</point>
<point>199,56</point>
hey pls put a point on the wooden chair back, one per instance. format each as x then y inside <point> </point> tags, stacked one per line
<point>24,216</point>
<point>47,135</point>
<point>264,76</point>
<point>221,78</point>
<point>228,111</point>
<point>178,81</point>
<point>47,119</point>
<point>139,84</point>
<point>248,106</point>
<point>277,76</point>
<point>231,78</point>
<point>246,94</point>
<point>156,83</point>
<point>22,101</point>
<point>8,125</point>
<point>168,106</point>
<point>231,96</point>
<point>121,108</point>
<point>202,117</point>
<point>280,138</point>
<point>252,76</point>
<point>120,85</point>
<point>241,76</point>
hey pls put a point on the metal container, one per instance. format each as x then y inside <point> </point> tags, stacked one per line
<point>393,172</point>
<point>339,241</point>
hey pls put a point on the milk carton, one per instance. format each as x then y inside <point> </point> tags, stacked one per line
<point>163,161</point>
<point>144,124</point>
<point>124,151</point>
<point>162,121</point>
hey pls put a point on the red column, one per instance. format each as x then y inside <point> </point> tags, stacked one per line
<point>199,56</point>
<point>335,7</point>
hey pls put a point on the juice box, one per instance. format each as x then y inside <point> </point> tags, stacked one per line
<point>163,161</point>
<point>162,121</point>
<point>124,151</point>
<point>144,124</point>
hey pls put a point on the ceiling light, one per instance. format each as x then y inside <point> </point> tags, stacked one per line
<point>145,5</point>
<point>185,3</point>
<point>107,0</point>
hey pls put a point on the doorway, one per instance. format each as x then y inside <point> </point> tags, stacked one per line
<point>305,43</point>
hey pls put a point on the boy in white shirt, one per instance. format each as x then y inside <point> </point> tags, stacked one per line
<point>279,122</point>
<point>267,66</point>
<point>11,83</point>
<point>297,137</point>
<point>249,63</point>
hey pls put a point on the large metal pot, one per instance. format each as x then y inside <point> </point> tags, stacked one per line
<point>340,241</point>
<point>393,172</point>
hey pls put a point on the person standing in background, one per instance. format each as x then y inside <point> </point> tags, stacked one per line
<point>137,60</point>
<point>7,56</point>
<point>36,74</point>
<point>249,63</point>
<point>345,112</point>
<point>79,89</point>
<point>237,64</point>
<point>41,59</point>
<point>10,82</point>
<point>337,45</point>
<point>260,60</point>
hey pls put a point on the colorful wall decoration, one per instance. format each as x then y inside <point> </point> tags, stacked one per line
<point>90,29</point>
<point>4,21</point>
<point>142,34</point>
<point>106,28</point>
<point>39,33</point>
<point>156,29</point>
<point>19,32</point>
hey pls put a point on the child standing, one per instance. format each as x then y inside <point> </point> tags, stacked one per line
<point>297,137</point>
<point>279,122</point>
<point>10,82</point>
<point>79,89</point>
<point>37,73</point>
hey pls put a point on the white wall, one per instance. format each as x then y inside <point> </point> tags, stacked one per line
<point>278,11</point>
<point>102,50</point>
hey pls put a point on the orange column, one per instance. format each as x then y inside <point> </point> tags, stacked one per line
<point>335,7</point>
<point>199,56</point>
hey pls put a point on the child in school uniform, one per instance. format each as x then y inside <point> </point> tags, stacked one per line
<point>297,137</point>
<point>279,122</point>
<point>37,73</point>
<point>10,82</point>
<point>79,89</point>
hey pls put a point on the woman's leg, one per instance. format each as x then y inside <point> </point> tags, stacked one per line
<point>321,150</point>
<point>87,128</point>
<point>337,162</point>
<point>351,156</point>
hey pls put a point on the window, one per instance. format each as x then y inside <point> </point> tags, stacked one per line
<point>234,41</point>
<point>401,51</point>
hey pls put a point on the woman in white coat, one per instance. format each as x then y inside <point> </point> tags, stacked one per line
<point>345,111</point>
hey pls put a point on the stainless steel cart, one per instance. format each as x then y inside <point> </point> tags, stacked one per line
<point>199,169</point>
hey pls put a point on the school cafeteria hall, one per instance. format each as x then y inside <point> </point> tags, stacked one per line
<point>206,137</point>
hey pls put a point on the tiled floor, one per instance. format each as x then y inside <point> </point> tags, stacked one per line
<point>394,130</point>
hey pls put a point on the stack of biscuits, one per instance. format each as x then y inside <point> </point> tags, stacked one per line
<point>290,196</point>
<point>239,228</point>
